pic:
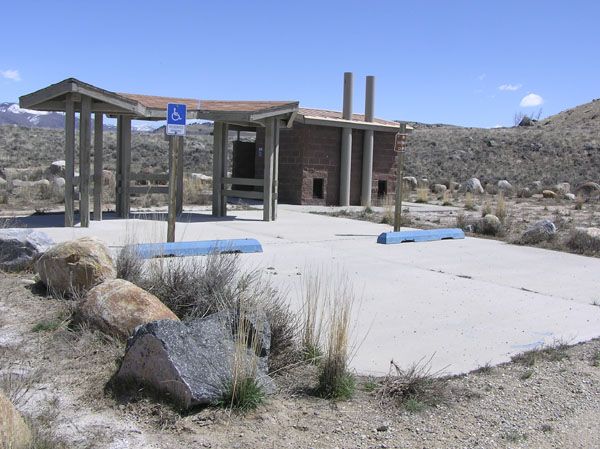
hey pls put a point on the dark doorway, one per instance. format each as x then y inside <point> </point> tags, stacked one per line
<point>318,190</point>
<point>243,162</point>
<point>381,188</point>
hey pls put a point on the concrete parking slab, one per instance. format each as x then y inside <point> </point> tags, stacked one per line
<point>466,302</point>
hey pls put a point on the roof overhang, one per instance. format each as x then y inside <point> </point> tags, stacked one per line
<point>145,107</point>
<point>341,123</point>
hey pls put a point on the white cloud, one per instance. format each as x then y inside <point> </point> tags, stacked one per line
<point>10,75</point>
<point>510,87</point>
<point>531,100</point>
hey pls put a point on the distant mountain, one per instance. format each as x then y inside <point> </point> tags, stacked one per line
<point>12,114</point>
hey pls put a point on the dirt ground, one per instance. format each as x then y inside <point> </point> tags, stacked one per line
<point>63,372</point>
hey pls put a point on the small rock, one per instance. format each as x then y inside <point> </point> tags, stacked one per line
<point>504,185</point>
<point>57,168</point>
<point>411,182</point>
<point>76,265</point>
<point>439,188</point>
<point>525,193</point>
<point>588,190</point>
<point>548,194</point>
<point>536,187</point>
<point>570,196</point>
<point>58,182</point>
<point>382,428</point>
<point>562,188</point>
<point>117,307</point>
<point>20,248</point>
<point>201,177</point>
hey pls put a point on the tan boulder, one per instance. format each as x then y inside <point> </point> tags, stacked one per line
<point>117,307</point>
<point>14,431</point>
<point>548,194</point>
<point>76,265</point>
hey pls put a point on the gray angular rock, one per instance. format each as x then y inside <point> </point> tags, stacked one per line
<point>538,232</point>
<point>536,187</point>
<point>411,182</point>
<point>588,190</point>
<point>473,185</point>
<point>191,363</point>
<point>562,188</point>
<point>439,188</point>
<point>20,248</point>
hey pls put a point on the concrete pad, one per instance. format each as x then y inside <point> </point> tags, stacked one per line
<point>469,302</point>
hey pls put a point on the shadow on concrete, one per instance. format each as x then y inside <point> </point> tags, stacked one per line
<point>57,219</point>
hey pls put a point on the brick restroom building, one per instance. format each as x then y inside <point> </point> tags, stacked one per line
<point>310,166</point>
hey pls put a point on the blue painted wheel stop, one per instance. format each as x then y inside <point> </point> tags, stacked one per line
<point>196,248</point>
<point>422,235</point>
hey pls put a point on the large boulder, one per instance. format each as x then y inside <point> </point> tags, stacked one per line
<point>193,363</point>
<point>490,224</point>
<point>117,307</point>
<point>76,265</point>
<point>14,431</point>
<point>473,185</point>
<point>536,187</point>
<point>588,190</point>
<point>538,232</point>
<point>20,248</point>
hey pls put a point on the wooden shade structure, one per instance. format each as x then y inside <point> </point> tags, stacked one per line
<point>71,96</point>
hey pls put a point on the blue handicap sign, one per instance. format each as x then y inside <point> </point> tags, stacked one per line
<point>176,115</point>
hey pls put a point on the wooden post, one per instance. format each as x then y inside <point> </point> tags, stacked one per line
<point>217,169</point>
<point>275,168</point>
<point>174,145</point>
<point>84,160</point>
<point>125,165</point>
<point>69,159</point>
<point>268,174</point>
<point>224,166</point>
<point>119,169</point>
<point>180,148</point>
<point>399,184</point>
<point>98,164</point>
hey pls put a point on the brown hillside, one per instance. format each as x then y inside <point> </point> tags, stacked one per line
<point>563,147</point>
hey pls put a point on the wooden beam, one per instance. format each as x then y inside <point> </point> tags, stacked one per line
<point>98,164</point>
<point>125,165</point>
<point>147,190</point>
<point>243,194</point>
<point>149,177</point>
<point>224,164</point>
<point>275,167</point>
<point>173,162</point>
<point>244,181</point>
<point>55,90</point>
<point>180,148</point>
<point>217,197</point>
<point>85,143</point>
<point>69,161</point>
<point>268,173</point>
<point>339,123</point>
<point>119,169</point>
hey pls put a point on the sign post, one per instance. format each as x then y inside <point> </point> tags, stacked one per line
<point>176,120</point>
<point>399,148</point>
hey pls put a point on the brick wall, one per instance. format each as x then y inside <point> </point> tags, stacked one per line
<point>307,152</point>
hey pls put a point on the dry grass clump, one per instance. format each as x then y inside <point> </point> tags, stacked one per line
<point>243,391</point>
<point>335,379</point>
<point>447,198</point>
<point>501,209</point>
<point>196,191</point>
<point>314,297</point>
<point>414,388</point>
<point>129,264</point>
<point>486,209</point>
<point>194,288</point>
<point>553,352</point>
<point>580,242</point>
<point>422,195</point>
<point>469,202</point>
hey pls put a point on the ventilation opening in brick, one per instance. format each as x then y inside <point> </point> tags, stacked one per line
<point>381,188</point>
<point>318,188</point>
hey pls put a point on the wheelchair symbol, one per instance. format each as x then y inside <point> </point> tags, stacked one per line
<point>175,115</point>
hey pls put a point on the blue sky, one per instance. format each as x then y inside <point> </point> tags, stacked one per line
<point>435,61</point>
